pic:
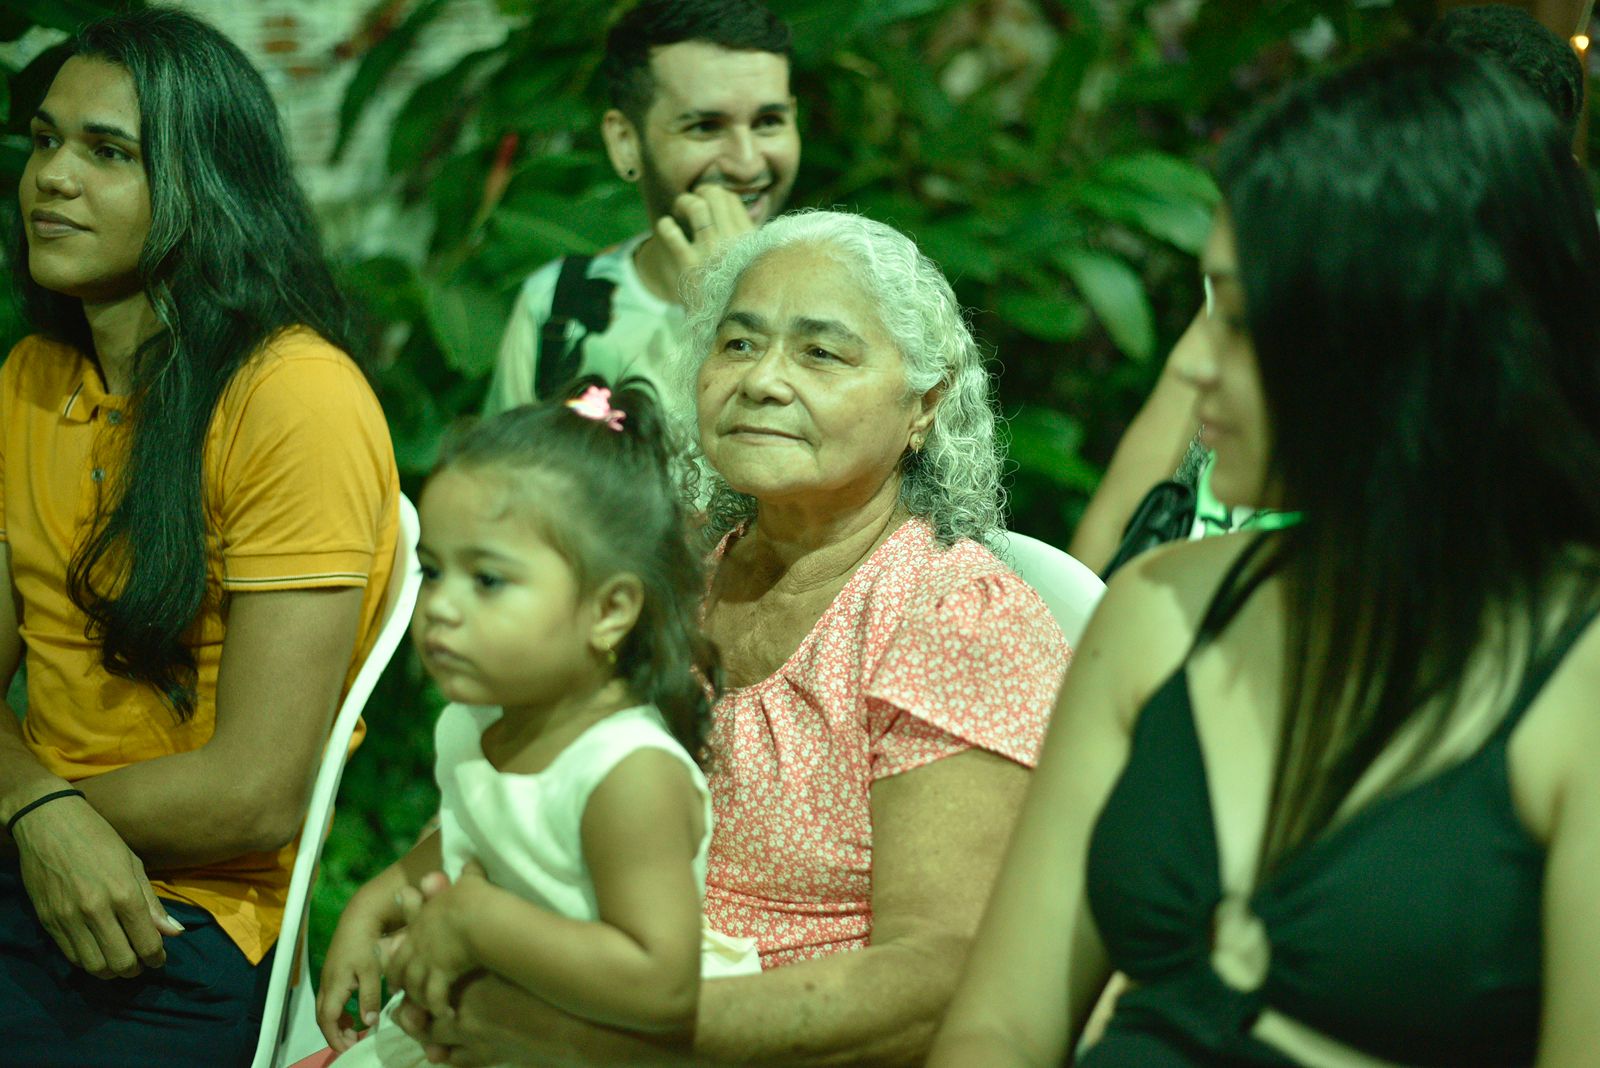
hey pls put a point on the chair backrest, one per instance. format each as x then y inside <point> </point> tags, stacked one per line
<point>398,601</point>
<point>1068,588</point>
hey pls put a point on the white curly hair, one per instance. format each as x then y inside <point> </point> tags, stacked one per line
<point>954,480</point>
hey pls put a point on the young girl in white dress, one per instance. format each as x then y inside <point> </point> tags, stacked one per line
<point>559,614</point>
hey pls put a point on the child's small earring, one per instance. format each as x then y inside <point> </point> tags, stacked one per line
<point>630,174</point>
<point>611,657</point>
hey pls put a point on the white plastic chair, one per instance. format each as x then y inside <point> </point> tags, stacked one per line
<point>1068,588</point>
<point>289,1029</point>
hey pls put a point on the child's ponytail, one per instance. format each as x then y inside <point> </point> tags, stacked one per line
<point>667,659</point>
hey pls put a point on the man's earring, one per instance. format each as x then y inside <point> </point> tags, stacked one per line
<point>630,174</point>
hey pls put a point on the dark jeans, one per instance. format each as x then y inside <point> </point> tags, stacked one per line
<point>202,1008</point>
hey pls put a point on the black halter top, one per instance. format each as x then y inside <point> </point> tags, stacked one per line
<point>1410,932</point>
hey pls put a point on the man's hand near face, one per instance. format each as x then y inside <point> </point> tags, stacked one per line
<point>699,224</point>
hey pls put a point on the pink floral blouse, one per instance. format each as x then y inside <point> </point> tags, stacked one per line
<point>926,652</point>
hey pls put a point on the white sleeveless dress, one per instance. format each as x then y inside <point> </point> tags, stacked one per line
<point>526,831</point>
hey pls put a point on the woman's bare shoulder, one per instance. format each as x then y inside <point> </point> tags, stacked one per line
<point>1181,575</point>
<point>1154,604</point>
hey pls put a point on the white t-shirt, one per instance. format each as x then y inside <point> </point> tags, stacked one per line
<point>641,339</point>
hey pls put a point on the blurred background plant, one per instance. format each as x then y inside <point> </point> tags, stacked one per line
<point>1049,154</point>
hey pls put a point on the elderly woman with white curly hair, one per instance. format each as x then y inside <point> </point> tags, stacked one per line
<point>889,678</point>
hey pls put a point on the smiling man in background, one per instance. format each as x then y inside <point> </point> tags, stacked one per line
<point>702,119</point>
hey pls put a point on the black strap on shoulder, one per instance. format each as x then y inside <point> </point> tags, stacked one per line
<point>580,299</point>
<point>1165,514</point>
<point>1544,665</point>
<point>1238,583</point>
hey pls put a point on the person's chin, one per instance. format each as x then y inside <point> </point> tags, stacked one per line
<point>1238,490</point>
<point>761,481</point>
<point>459,687</point>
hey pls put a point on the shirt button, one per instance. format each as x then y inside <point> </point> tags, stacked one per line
<point>113,417</point>
<point>98,474</point>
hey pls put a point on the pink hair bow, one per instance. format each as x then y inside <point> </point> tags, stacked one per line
<point>595,403</point>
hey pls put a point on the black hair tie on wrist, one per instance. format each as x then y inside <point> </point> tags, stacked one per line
<point>35,803</point>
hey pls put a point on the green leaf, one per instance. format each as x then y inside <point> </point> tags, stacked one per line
<point>1044,443</point>
<point>960,253</point>
<point>466,322</point>
<point>1056,99</point>
<point>1044,316</point>
<point>455,193</point>
<point>1168,198</point>
<point>881,13</point>
<point>537,91</point>
<point>430,120</point>
<point>69,15</point>
<point>1163,174</point>
<point>387,285</point>
<point>376,65</point>
<point>1182,223</point>
<point>1116,293</point>
<point>517,242</point>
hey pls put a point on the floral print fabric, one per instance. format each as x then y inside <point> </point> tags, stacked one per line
<point>926,652</point>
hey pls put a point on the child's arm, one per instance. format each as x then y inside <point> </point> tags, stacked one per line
<point>639,967</point>
<point>352,963</point>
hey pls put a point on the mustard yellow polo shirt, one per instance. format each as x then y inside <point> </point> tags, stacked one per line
<point>300,491</point>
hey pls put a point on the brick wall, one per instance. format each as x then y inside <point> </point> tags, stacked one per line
<point>302,48</point>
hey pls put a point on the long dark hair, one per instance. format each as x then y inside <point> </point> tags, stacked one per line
<point>231,258</point>
<point>619,510</point>
<point>1419,257</point>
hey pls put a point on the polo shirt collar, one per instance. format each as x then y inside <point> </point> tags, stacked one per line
<point>89,396</point>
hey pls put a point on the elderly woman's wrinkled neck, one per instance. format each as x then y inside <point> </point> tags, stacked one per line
<point>795,557</point>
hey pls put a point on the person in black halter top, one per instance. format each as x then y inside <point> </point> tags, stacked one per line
<point>1342,807</point>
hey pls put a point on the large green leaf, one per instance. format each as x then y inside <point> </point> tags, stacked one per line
<point>1056,99</point>
<point>430,120</point>
<point>1046,316</point>
<point>1044,443</point>
<point>519,241</point>
<point>455,193</point>
<point>466,322</point>
<point>537,91</point>
<point>1164,174</point>
<point>958,250</point>
<point>387,286</point>
<point>376,66</point>
<point>1117,294</point>
<point>1183,222</point>
<point>1168,198</point>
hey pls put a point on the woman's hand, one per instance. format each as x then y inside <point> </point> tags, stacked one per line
<point>90,891</point>
<point>436,952</point>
